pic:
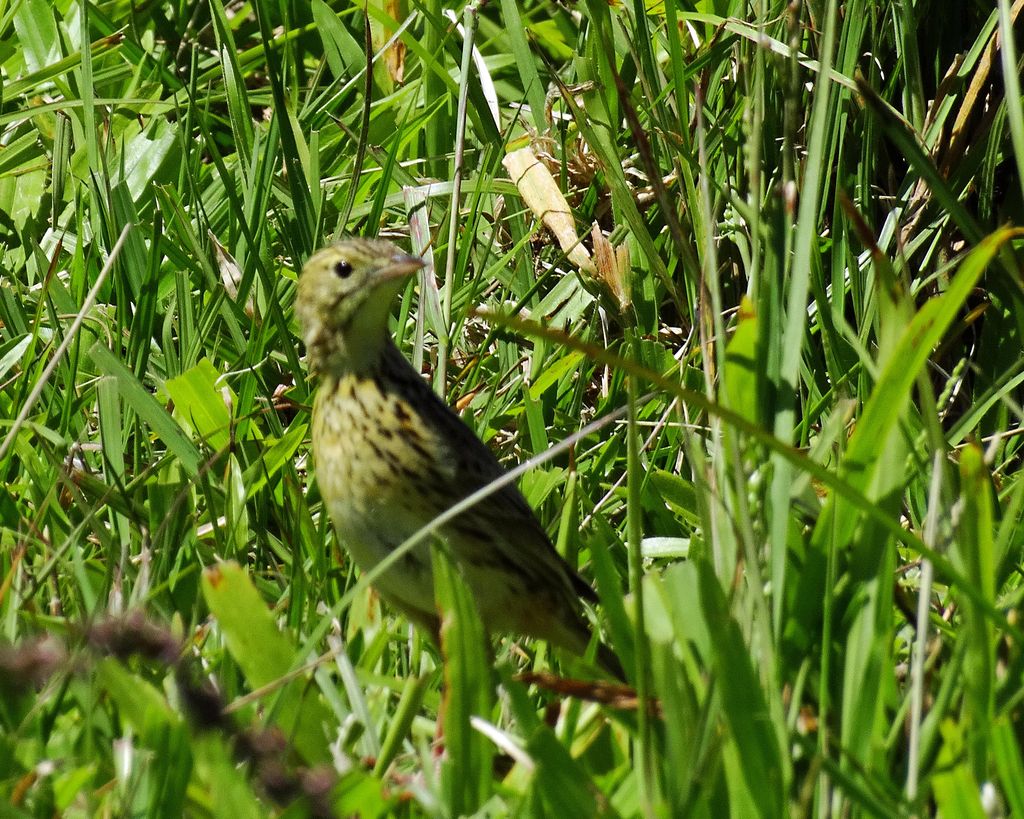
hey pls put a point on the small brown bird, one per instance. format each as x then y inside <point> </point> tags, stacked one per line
<point>390,456</point>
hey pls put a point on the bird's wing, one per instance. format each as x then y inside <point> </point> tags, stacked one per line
<point>507,521</point>
<point>502,529</point>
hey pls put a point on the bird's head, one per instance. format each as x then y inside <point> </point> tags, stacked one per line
<point>344,298</point>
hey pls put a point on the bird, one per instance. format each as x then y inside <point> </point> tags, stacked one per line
<point>390,456</point>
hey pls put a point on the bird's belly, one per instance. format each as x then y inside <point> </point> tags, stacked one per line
<point>371,534</point>
<point>502,597</point>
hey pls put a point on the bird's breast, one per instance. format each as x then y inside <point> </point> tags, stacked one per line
<point>379,466</point>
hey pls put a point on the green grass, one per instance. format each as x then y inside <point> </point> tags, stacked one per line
<point>803,513</point>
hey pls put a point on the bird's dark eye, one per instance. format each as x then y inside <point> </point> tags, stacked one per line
<point>342,269</point>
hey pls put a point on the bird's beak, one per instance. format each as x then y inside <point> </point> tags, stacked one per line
<point>400,265</point>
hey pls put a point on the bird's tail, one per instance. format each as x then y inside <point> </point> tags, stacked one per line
<point>610,663</point>
<point>575,635</point>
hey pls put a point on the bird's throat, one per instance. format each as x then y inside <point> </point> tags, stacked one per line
<point>344,352</point>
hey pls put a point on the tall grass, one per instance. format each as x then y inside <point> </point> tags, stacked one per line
<point>805,528</point>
